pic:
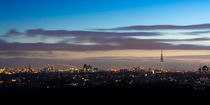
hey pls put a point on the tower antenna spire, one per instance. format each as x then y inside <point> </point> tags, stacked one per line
<point>161,61</point>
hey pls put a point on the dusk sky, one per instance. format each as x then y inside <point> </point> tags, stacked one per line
<point>105,33</point>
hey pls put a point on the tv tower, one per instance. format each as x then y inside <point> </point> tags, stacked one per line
<point>161,61</point>
<point>4,68</point>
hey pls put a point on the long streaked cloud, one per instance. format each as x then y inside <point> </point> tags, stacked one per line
<point>64,33</point>
<point>192,56</point>
<point>26,53</point>
<point>162,27</point>
<point>127,43</point>
<point>197,32</point>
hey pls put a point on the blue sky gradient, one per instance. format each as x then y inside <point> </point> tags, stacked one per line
<point>88,14</point>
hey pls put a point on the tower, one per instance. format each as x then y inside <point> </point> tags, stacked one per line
<point>85,68</point>
<point>161,61</point>
<point>4,68</point>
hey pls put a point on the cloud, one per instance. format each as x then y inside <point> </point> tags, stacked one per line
<point>26,53</point>
<point>162,27</point>
<point>196,32</point>
<point>2,41</point>
<point>12,32</point>
<point>13,53</point>
<point>64,33</point>
<point>192,57</point>
<point>122,43</point>
<point>198,39</point>
<point>96,41</point>
<point>172,40</point>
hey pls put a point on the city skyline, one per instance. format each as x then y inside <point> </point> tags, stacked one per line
<point>172,63</point>
<point>105,33</point>
<point>104,51</point>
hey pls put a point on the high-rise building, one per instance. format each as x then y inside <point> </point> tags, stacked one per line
<point>204,69</point>
<point>4,68</point>
<point>48,68</point>
<point>95,69</point>
<point>29,68</point>
<point>89,68</point>
<point>85,68</point>
<point>138,69</point>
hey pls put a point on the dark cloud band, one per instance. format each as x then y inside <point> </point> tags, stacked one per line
<point>122,44</point>
<point>162,27</point>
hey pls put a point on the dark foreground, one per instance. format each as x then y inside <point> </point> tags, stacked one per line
<point>131,88</point>
<point>100,95</point>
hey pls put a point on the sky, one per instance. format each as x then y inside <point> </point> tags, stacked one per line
<point>105,33</point>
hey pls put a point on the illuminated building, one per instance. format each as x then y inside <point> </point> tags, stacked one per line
<point>3,70</point>
<point>85,68</point>
<point>203,70</point>
<point>137,69</point>
<point>95,69</point>
<point>29,68</point>
<point>89,68</point>
<point>13,80</point>
<point>51,68</point>
<point>48,68</point>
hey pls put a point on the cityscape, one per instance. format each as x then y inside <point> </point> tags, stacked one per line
<point>90,77</point>
<point>104,52</point>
